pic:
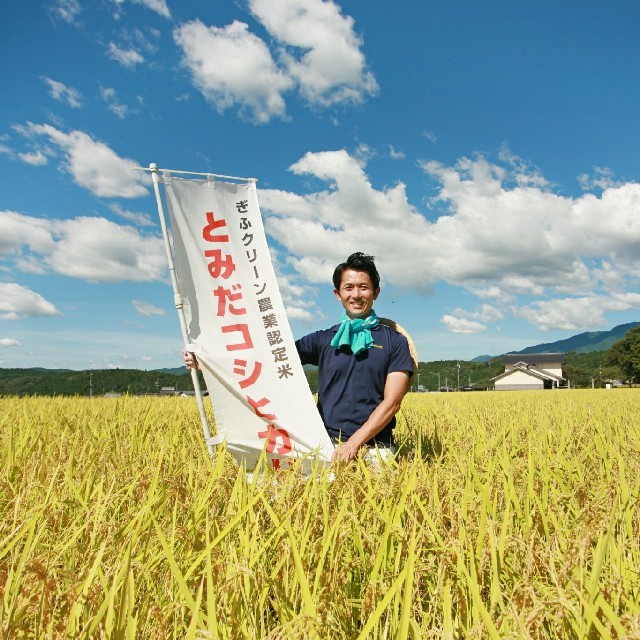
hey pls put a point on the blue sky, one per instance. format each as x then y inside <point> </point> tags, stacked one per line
<point>485,153</point>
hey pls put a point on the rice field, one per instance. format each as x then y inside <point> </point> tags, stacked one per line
<point>507,515</point>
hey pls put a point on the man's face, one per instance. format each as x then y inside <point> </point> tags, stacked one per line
<point>356,293</point>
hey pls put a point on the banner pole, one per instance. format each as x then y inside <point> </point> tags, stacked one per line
<point>153,168</point>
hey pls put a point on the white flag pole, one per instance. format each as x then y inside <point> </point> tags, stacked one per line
<point>153,168</point>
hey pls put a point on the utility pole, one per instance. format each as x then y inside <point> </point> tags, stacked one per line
<point>458,364</point>
<point>90,384</point>
<point>600,374</point>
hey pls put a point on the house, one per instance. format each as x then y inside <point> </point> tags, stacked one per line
<point>530,371</point>
<point>167,391</point>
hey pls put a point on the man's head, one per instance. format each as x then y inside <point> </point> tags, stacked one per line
<point>357,284</point>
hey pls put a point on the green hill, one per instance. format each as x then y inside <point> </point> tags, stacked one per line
<point>584,342</point>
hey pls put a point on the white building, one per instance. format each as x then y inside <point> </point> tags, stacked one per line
<point>530,371</point>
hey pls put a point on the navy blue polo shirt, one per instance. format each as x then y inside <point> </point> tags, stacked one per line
<point>351,386</point>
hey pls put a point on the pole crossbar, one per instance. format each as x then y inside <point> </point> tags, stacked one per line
<point>153,169</point>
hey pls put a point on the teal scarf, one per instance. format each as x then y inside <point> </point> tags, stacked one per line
<point>356,333</point>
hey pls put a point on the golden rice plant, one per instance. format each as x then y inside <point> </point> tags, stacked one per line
<point>506,515</point>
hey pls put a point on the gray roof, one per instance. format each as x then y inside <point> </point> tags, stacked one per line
<point>530,370</point>
<point>532,358</point>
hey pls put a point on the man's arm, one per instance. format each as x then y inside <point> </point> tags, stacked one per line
<point>395,388</point>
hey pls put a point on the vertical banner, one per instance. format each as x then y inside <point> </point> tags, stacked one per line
<point>238,326</point>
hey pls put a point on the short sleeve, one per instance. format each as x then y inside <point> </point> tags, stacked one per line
<point>400,355</point>
<point>308,348</point>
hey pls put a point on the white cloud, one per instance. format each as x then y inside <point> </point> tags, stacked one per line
<point>491,292</point>
<point>18,230</point>
<point>332,67</point>
<point>471,322</point>
<point>484,313</point>
<point>295,297</point>
<point>488,313</point>
<point>139,218</point>
<point>66,10</point>
<point>522,172</point>
<point>395,155</point>
<point>159,6</point>
<point>461,325</point>
<point>126,57</point>
<point>603,179</point>
<point>10,342</point>
<point>146,309</point>
<point>17,302</point>
<point>93,164</point>
<point>576,313</point>
<point>501,233</point>
<point>35,158</point>
<point>317,49</point>
<point>98,250</point>
<point>430,136</point>
<point>92,249</point>
<point>63,93</point>
<point>231,66</point>
<point>109,95</point>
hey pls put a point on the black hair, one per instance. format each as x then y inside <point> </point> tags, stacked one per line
<point>357,262</point>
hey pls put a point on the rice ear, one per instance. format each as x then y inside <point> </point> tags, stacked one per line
<point>400,329</point>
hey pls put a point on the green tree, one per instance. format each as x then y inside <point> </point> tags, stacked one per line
<point>626,354</point>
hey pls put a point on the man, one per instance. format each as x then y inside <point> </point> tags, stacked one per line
<point>364,366</point>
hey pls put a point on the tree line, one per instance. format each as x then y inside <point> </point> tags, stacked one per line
<point>584,370</point>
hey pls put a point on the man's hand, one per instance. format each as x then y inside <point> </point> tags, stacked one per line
<point>345,452</point>
<point>394,389</point>
<point>190,360</point>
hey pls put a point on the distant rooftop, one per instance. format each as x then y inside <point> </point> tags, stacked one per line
<point>532,358</point>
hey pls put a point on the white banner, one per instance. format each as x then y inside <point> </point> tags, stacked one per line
<point>238,326</point>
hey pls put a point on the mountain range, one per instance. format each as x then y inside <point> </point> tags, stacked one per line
<point>581,343</point>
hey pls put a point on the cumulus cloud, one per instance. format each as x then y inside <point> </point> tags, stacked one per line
<point>10,342</point>
<point>499,231</point>
<point>92,249</point>
<point>322,52</point>
<point>93,164</point>
<point>17,302</point>
<point>146,309</point>
<point>461,325</point>
<point>231,66</point>
<point>295,297</point>
<point>63,93</point>
<point>576,313</point>
<point>463,321</point>
<point>315,50</point>
<point>126,57</point>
